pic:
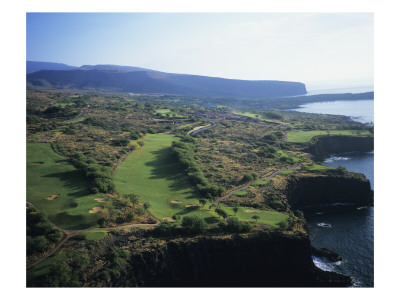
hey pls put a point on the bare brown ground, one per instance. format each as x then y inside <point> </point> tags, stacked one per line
<point>96,209</point>
<point>252,210</point>
<point>52,197</point>
<point>100,199</point>
<point>169,219</point>
<point>174,201</point>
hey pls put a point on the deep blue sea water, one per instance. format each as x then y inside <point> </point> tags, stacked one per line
<point>347,230</point>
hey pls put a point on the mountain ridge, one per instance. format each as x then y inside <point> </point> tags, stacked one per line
<point>139,80</point>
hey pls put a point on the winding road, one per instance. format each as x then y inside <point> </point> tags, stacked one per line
<point>194,132</point>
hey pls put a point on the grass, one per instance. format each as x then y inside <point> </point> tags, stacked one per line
<point>286,172</point>
<point>44,266</point>
<point>153,173</point>
<point>283,154</point>
<point>260,117</point>
<point>260,182</point>
<point>271,218</point>
<point>241,193</point>
<point>163,111</point>
<point>317,167</point>
<point>49,174</point>
<point>94,235</point>
<point>303,136</point>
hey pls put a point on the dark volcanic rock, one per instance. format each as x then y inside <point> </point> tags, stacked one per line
<point>323,146</point>
<point>327,253</point>
<point>224,261</point>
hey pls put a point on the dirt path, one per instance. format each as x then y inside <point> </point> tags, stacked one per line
<point>251,182</point>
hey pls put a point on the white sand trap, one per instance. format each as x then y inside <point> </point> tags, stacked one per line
<point>52,197</point>
<point>169,219</point>
<point>191,205</point>
<point>252,210</point>
<point>100,199</point>
<point>174,201</point>
<point>96,209</point>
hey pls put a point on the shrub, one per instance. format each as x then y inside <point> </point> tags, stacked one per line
<point>194,225</point>
<point>233,225</point>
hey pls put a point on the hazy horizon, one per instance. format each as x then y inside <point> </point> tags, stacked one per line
<point>322,50</point>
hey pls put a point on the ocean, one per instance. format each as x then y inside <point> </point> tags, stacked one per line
<point>347,230</point>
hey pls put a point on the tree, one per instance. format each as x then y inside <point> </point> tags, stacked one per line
<point>221,212</point>
<point>212,206</point>
<point>194,224</point>
<point>255,217</point>
<point>235,209</point>
<point>203,202</point>
<point>146,205</point>
<point>132,197</point>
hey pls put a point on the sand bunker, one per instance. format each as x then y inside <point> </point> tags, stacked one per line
<point>96,209</point>
<point>37,163</point>
<point>174,201</point>
<point>100,199</point>
<point>52,197</point>
<point>252,210</point>
<point>191,205</point>
<point>169,219</point>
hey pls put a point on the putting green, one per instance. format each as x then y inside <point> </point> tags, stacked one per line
<point>154,173</point>
<point>59,190</point>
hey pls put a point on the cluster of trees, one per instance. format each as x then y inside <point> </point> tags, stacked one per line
<point>268,152</point>
<point>121,142</point>
<point>41,235</point>
<point>233,225</point>
<point>184,150</point>
<point>249,177</point>
<point>99,176</point>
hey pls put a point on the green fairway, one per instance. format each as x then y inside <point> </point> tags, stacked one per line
<point>163,111</point>
<point>259,116</point>
<point>260,182</point>
<point>92,235</point>
<point>155,174</point>
<point>302,136</point>
<point>241,193</point>
<point>50,175</point>
<point>266,217</point>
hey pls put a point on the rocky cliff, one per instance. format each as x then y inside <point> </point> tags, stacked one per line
<point>253,260</point>
<point>305,190</point>
<point>323,146</point>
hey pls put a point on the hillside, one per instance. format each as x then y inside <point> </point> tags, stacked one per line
<point>119,79</point>
<point>34,66</point>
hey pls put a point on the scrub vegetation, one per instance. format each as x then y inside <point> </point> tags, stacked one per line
<point>124,171</point>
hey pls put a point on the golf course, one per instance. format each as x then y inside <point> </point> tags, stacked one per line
<point>59,190</point>
<point>153,173</point>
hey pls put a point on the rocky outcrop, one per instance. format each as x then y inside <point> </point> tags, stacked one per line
<point>322,146</point>
<point>325,190</point>
<point>253,260</point>
<point>327,253</point>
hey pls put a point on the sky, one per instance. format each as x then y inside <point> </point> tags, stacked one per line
<point>319,49</point>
